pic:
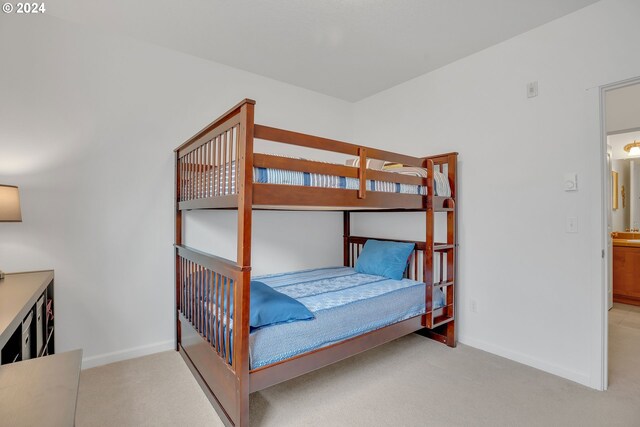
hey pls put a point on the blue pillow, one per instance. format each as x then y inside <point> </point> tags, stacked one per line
<point>388,259</point>
<point>270,307</point>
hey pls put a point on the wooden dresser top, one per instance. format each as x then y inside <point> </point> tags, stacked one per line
<point>40,392</point>
<point>18,293</point>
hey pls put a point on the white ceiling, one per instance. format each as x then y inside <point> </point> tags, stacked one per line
<point>348,49</point>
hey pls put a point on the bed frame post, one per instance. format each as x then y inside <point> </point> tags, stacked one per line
<point>452,239</point>
<point>362,173</point>
<point>428,253</point>
<point>242,296</point>
<point>346,234</point>
<point>441,328</point>
<point>178,241</point>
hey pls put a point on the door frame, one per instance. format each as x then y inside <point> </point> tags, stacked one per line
<point>607,249</point>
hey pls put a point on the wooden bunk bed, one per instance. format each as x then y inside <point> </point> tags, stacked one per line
<point>215,170</point>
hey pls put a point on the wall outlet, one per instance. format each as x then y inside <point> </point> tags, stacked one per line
<point>572,224</point>
<point>474,306</point>
<point>532,89</point>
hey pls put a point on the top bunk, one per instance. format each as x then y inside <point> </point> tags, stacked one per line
<point>218,169</point>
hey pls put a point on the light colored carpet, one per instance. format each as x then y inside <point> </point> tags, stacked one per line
<point>412,381</point>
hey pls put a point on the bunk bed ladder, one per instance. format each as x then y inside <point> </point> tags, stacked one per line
<point>440,263</point>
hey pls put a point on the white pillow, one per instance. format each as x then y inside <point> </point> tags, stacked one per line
<point>371,163</point>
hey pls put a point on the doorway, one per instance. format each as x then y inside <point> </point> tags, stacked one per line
<point>620,110</point>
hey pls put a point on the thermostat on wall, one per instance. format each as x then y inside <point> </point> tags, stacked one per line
<point>570,182</point>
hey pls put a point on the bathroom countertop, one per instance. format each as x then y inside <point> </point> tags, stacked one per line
<point>632,243</point>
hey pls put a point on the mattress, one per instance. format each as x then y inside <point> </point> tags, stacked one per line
<point>345,304</point>
<point>307,179</point>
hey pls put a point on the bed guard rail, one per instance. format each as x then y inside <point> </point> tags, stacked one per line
<point>210,292</point>
<point>213,165</point>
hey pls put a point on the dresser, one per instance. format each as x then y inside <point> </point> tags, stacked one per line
<point>37,387</point>
<point>26,316</point>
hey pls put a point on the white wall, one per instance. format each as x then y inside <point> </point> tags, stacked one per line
<point>538,289</point>
<point>88,124</point>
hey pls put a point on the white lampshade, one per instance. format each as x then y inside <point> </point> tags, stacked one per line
<point>10,204</point>
<point>634,151</point>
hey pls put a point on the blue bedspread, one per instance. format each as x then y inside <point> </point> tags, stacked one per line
<point>345,304</point>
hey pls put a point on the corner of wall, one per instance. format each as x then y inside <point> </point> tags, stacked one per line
<point>130,353</point>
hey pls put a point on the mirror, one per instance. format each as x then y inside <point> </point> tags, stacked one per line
<point>614,192</point>
<point>625,194</point>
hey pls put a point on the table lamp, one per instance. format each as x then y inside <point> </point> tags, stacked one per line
<point>9,207</point>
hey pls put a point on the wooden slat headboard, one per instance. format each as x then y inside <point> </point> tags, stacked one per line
<point>415,269</point>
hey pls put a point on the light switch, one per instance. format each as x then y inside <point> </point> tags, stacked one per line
<point>572,224</point>
<point>570,182</point>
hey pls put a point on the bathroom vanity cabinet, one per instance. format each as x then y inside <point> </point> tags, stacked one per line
<point>626,271</point>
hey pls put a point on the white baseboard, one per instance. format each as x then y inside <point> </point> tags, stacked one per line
<point>578,377</point>
<point>129,353</point>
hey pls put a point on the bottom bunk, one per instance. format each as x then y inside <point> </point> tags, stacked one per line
<point>341,304</point>
<point>348,312</point>
<point>344,304</point>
